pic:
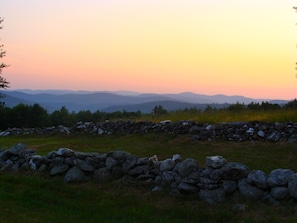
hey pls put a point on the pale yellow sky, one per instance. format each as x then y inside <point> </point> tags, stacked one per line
<point>208,47</point>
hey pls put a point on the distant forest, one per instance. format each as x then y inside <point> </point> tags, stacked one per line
<point>34,116</point>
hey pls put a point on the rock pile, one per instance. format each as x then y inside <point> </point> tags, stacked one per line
<point>232,131</point>
<point>212,183</point>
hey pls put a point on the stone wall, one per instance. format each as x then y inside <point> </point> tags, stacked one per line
<point>232,131</point>
<point>178,176</point>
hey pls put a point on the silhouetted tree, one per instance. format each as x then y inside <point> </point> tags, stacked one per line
<point>291,104</point>
<point>63,117</point>
<point>237,107</point>
<point>159,110</point>
<point>38,116</point>
<point>3,82</point>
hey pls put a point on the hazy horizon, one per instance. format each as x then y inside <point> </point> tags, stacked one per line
<point>128,92</point>
<point>245,48</point>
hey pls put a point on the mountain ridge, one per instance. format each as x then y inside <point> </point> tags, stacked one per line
<point>110,101</point>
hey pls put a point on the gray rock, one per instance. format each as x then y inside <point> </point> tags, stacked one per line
<point>4,155</point>
<point>129,164</point>
<point>8,165</point>
<point>257,178</point>
<point>65,152</point>
<point>84,165</point>
<point>230,186</point>
<point>168,177</point>
<point>74,175</point>
<point>213,196</point>
<point>292,186</point>
<point>138,170</point>
<point>234,171</point>
<point>60,168</point>
<point>185,188</point>
<point>279,177</point>
<point>42,168</point>
<point>120,155</point>
<point>111,163</point>
<point>17,149</point>
<point>102,175</point>
<point>69,161</point>
<point>215,175</point>
<point>215,161</point>
<point>267,197</point>
<point>187,166</point>
<point>274,136</point>
<point>249,191</point>
<point>261,134</point>
<point>167,165</point>
<point>279,193</point>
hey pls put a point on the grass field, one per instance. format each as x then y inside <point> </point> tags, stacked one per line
<point>31,197</point>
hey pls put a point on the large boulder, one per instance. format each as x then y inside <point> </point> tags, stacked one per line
<point>82,164</point>
<point>167,165</point>
<point>279,177</point>
<point>58,169</point>
<point>111,163</point>
<point>18,149</point>
<point>74,175</point>
<point>186,167</point>
<point>234,171</point>
<point>257,178</point>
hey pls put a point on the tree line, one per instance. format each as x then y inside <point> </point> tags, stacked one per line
<point>32,116</point>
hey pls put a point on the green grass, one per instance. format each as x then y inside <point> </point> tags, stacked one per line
<point>31,197</point>
<point>217,116</point>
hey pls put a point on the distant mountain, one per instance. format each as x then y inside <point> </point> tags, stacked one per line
<point>120,100</point>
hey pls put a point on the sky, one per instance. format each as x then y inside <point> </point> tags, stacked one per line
<point>208,47</point>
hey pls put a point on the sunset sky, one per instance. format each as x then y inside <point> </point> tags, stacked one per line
<point>208,47</point>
